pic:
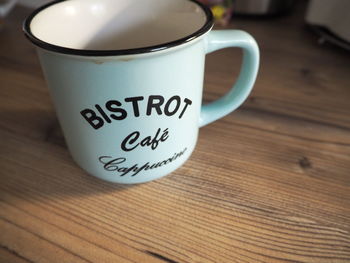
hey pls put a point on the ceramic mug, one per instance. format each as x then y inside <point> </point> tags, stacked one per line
<point>126,78</point>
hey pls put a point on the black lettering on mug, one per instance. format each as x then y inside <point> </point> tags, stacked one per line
<point>135,104</point>
<point>104,115</point>
<point>187,102</point>
<point>131,141</point>
<point>114,106</point>
<point>90,116</point>
<point>111,165</point>
<point>177,100</point>
<point>114,110</point>
<point>154,102</point>
<point>117,165</point>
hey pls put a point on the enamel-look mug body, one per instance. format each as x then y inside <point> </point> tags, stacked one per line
<point>128,91</point>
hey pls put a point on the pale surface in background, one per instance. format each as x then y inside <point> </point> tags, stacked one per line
<point>333,15</point>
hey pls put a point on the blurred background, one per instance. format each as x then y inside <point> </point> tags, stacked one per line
<point>329,19</point>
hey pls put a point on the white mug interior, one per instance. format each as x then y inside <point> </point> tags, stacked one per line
<point>117,25</point>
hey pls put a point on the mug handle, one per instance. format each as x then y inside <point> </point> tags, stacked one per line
<point>219,39</point>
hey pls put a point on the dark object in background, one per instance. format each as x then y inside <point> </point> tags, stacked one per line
<point>5,7</point>
<point>262,7</point>
<point>331,21</point>
<point>327,36</point>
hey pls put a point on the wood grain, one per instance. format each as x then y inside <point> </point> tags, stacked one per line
<point>269,183</point>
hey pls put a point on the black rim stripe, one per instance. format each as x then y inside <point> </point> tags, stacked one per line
<point>98,53</point>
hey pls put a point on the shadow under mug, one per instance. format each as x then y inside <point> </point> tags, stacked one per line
<point>126,78</point>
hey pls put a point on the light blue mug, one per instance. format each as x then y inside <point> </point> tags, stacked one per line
<point>126,78</point>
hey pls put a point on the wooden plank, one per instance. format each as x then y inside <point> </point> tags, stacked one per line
<point>7,255</point>
<point>222,202</point>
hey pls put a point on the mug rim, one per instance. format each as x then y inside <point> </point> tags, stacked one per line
<point>118,52</point>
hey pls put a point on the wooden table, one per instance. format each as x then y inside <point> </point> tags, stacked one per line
<point>269,183</point>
